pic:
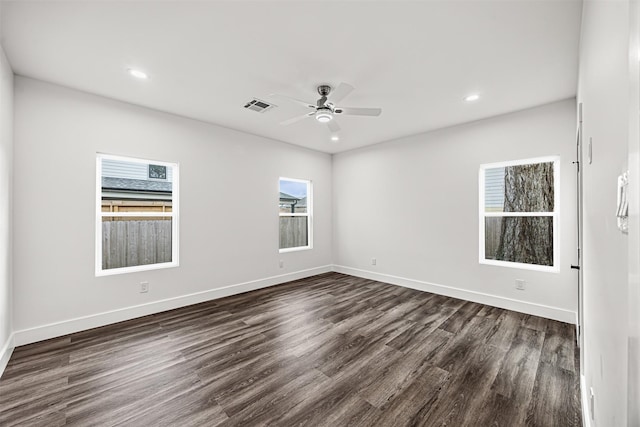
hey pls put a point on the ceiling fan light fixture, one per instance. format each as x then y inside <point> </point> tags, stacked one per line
<point>324,116</point>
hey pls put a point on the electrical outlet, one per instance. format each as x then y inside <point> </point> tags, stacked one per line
<point>374,261</point>
<point>144,287</point>
<point>281,264</point>
<point>520,284</point>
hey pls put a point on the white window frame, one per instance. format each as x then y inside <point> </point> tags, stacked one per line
<point>555,268</point>
<point>174,214</point>
<point>308,214</point>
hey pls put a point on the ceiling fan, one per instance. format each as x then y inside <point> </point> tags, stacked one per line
<point>325,109</point>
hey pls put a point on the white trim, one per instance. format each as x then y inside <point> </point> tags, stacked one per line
<point>555,268</point>
<point>136,268</point>
<point>584,397</point>
<point>6,352</point>
<point>545,311</point>
<point>530,161</point>
<point>137,214</point>
<point>308,214</point>
<point>503,214</point>
<point>297,248</point>
<point>133,159</point>
<point>300,180</point>
<point>577,325</point>
<point>52,330</point>
<point>174,215</point>
<point>520,265</point>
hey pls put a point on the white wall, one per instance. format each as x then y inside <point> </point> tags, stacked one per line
<point>413,205</point>
<point>6,208</point>
<point>604,92</point>
<point>228,208</point>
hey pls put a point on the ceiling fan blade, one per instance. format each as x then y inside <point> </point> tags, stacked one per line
<point>340,92</point>
<point>333,126</point>
<point>297,101</point>
<point>297,119</point>
<point>348,111</point>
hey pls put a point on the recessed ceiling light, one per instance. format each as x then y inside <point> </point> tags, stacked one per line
<point>335,138</point>
<point>472,97</point>
<point>138,74</point>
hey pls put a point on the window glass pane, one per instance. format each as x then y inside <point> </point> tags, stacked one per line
<point>158,206</point>
<point>126,187</point>
<point>520,188</point>
<point>494,190</point>
<point>293,196</point>
<point>293,231</point>
<point>128,242</point>
<point>118,168</point>
<point>527,240</point>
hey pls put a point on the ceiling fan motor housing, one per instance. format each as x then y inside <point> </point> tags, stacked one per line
<point>324,90</point>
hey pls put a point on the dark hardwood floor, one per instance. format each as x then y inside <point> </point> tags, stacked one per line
<point>331,350</point>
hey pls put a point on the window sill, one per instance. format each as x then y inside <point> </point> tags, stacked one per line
<point>521,266</point>
<point>299,248</point>
<point>125,270</point>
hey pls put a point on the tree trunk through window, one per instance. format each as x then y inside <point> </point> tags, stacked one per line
<point>527,239</point>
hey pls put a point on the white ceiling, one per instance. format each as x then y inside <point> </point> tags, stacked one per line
<point>415,60</point>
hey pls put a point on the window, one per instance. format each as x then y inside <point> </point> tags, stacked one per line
<point>519,207</point>
<point>295,206</point>
<point>136,216</point>
<point>157,172</point>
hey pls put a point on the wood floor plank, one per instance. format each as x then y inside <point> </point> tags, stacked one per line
<point>385,327</point>
<point>502,411</point>
<point>423,338</point>
<point>276,404</point>
<point>559,346</point>
<point>399,376</point>
<point>518,371</point>
<point>369,369</point>
<point>555,399</point>
<point>534,322</point>
<point>412,405</point>
<point>461,317</point>
<point>353,413</point>
<point>33,405</point>
<point>463,399</point>
<point>512,389</point>
<point>270,381</point>
<point>315,410</point>
<point>329,350</point>
<point>506,325</point>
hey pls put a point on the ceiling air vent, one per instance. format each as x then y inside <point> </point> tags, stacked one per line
<point>258,105</point>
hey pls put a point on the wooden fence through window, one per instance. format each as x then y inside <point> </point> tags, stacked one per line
<point>293,231</point>
<point>135,242</point>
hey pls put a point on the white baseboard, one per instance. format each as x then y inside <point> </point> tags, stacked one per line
<point>584,397</point>
<point>52,330</point>
<point>545,311</point>
<point>5,353</point>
